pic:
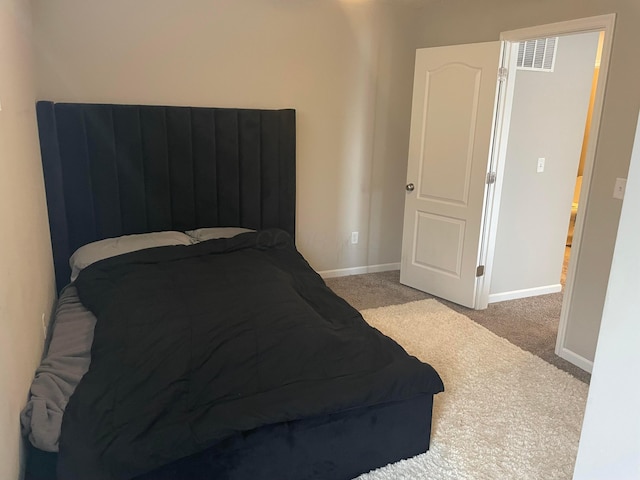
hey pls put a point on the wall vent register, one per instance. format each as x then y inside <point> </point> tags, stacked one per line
<point>538,54</point>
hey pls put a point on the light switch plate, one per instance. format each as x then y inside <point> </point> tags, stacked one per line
<point>619,188</point>
<point>540,167</point>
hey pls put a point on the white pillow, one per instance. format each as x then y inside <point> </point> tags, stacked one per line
<point>110,247</point>
<point>210,233</point>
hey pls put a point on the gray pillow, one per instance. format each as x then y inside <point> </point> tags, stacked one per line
<point>210,233</point>
<point>64,364</point>
<point>110,247</point>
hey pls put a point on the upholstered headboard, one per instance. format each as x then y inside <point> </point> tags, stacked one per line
<point>114,170</point>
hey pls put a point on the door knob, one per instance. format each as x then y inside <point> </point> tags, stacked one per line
<point>410,187</point>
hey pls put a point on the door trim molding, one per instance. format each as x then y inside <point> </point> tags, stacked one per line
<point>493,196</point>
<point>569,27</point>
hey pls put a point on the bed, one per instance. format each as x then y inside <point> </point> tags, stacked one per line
<point>317,410</point>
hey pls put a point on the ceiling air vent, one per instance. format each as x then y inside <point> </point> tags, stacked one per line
<point>538,55</point>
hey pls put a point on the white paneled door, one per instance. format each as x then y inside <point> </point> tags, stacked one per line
<point>452,120</point>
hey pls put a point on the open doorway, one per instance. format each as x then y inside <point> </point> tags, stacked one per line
<point>552,81</point>
<point>565,343</point>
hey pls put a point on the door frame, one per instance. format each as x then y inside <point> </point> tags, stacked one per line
<point>599,23</point>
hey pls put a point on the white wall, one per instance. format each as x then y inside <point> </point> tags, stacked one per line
<point>610,442</point>
<point>547,121</point>
<point>26,270</point>
<point>345,66</point>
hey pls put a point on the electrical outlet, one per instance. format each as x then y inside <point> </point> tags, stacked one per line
<point>354,238</point>
<point>540,166</point>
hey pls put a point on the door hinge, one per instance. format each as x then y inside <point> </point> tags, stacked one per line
<point>491,178</point>
<point>502,74</point>
<point>480,271</point>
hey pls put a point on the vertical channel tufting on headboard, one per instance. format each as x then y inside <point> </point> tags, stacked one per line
<point>114,170</point>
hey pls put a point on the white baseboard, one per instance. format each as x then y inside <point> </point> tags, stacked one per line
<point>343,272</point>
<point>527,292</point>
<point>577,360</point>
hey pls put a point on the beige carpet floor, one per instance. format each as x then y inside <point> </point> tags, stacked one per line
<point>505,413</point>
<point>530,323</point>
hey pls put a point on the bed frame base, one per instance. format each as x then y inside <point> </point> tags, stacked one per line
<point>338,446</point>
